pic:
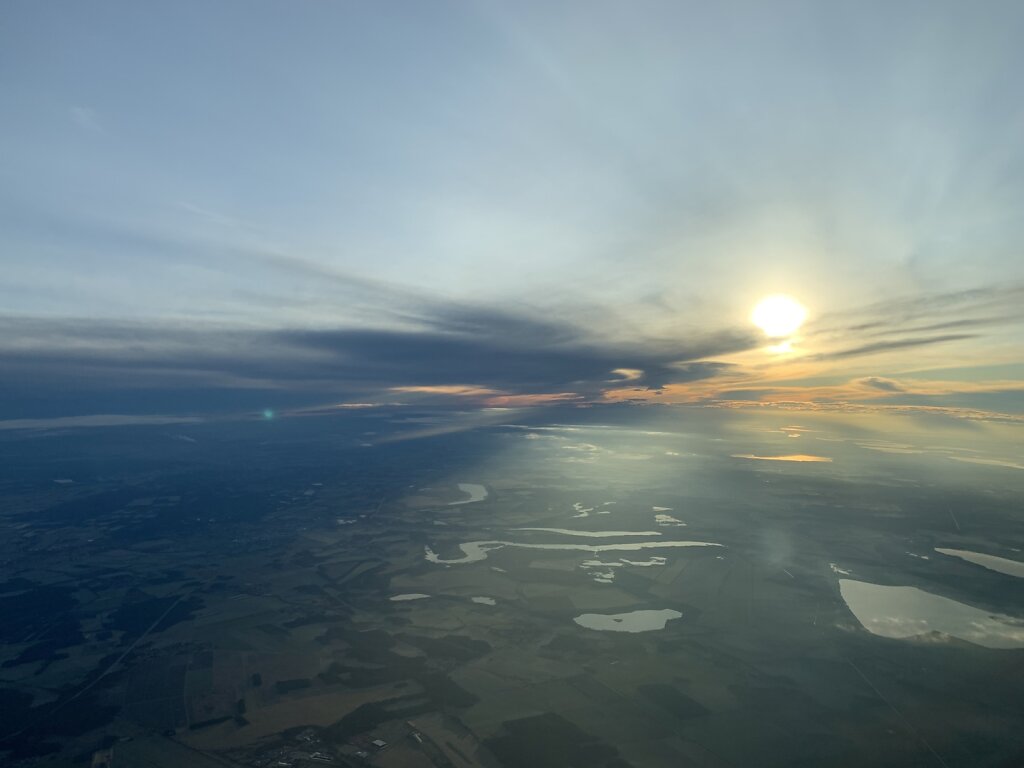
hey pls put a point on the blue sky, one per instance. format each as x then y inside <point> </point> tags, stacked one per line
<point>487,190</point>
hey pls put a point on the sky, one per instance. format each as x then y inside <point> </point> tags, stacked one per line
<point>223,208</point>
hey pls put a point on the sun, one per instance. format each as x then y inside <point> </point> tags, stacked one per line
<point>778,316</point>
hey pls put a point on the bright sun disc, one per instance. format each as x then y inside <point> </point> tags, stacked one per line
<point>778,316</point>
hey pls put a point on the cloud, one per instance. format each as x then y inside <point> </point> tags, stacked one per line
<point>998,396</point>
<point>461,390</point>
<point>628,374</point>
<point>984,316</point>
<point>794,457</point>
<point>895,314</point>
<point>71,367</point>
<point>969,322</point>
<point>529,401</point>
<point>885,385</point>
<point>902,322</point>
<point>886,346</point>
<point>317,334</point>
<point>990,462</point>
<point>966,414</point>
<point>486,396</point>
<point>97,420</point>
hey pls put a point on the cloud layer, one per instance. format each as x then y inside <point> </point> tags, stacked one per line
<point>67,367</point>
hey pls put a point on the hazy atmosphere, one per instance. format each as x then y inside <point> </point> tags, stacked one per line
<point>512,384</point>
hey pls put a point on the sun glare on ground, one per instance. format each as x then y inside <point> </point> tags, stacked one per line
<point>778,316</point>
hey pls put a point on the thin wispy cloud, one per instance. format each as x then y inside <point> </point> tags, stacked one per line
<point>885,346</point>
<point>885,385</point>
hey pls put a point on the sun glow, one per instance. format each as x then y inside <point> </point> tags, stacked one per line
<point>778,316</point>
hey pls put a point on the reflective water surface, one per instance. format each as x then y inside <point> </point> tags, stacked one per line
<point>992,562</point>
<point>634,621</point>
<point>902,612</point>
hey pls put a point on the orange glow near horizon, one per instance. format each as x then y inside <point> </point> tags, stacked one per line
<point>801,457</point>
